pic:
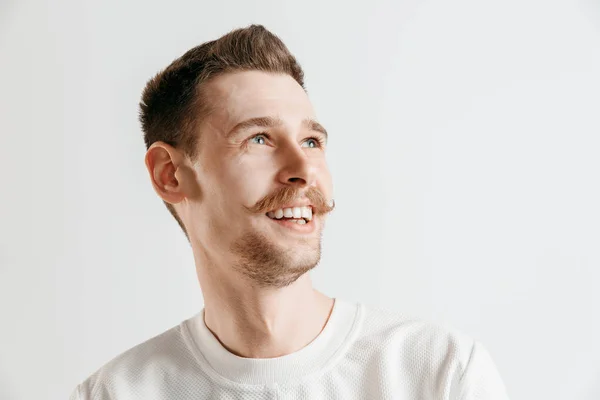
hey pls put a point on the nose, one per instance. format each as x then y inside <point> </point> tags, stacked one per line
<point>297,168</point>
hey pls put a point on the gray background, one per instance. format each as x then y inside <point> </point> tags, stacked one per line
<point>464,146</point>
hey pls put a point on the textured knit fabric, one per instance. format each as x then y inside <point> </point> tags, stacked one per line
<point>363,352</point>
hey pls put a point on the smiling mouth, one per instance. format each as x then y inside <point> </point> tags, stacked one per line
<point>300,215</point>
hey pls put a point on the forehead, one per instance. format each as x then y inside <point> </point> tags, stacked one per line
<point>248,94</point>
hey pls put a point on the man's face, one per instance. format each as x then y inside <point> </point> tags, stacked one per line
<point>248,174</point>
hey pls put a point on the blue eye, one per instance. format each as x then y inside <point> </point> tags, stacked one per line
<point>316,143</point>
<point>260,139</point>
<point>311,142</point>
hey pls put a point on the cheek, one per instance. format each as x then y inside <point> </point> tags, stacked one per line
<point>326,180</point>
<point>246,184</point>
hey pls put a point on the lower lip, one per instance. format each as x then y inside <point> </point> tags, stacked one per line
<point>294,226</point>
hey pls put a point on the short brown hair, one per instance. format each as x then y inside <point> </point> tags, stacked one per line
<point>173,103</point>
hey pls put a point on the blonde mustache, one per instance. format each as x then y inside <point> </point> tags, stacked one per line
<point>287,195</point>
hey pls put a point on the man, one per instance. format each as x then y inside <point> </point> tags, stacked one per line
<point>235,151</point>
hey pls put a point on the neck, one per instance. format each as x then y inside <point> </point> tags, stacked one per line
<point>255,322</point>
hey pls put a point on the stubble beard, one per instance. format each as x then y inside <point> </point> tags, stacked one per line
<point>266,264</point>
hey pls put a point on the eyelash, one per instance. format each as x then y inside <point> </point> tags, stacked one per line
<point>320,142</point>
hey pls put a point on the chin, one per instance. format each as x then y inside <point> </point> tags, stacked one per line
<point>269,261</point>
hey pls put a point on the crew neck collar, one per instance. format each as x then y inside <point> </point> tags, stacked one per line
<point>320,352</point>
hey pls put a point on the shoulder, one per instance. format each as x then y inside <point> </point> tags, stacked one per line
<point>432,356</point>
<point>438,358</point>
<point>149,361</point>
<point>410,335</point>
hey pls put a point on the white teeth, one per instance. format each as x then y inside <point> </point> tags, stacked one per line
<point>292,212</point>
<point>307,213</point>
<point>300,221</point>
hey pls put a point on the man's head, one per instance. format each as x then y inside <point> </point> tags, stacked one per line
<point>233,142</point>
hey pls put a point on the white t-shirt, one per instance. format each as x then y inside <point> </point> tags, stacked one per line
<point>363,352</point>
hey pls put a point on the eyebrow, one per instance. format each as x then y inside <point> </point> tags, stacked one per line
<point>273,122</point>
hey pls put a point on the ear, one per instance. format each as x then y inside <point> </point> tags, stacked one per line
<point>163,162</point>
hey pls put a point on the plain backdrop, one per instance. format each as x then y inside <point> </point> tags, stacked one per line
<point>464,147</point>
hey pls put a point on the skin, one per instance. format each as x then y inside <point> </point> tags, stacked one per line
<point>253,272</point>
